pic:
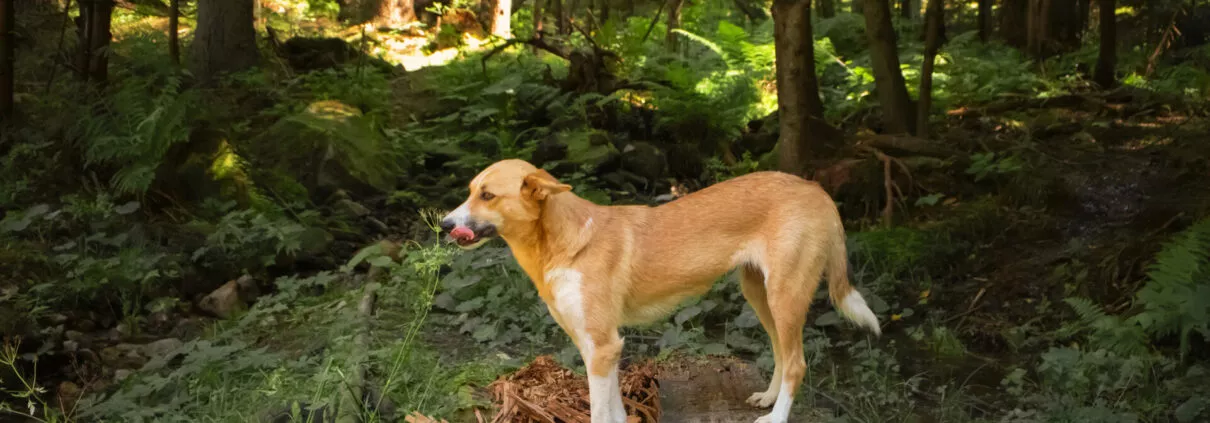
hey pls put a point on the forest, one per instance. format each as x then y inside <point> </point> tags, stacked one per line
<point>228,210</point>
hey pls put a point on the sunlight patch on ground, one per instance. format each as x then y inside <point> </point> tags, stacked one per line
<point>410,52</point>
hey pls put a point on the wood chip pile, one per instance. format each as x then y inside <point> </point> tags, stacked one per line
<point>545,392</point>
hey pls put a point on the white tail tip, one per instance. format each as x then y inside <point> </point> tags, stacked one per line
<point>856,310</point>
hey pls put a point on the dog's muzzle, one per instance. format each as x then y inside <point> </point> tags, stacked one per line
<point>467,236</point>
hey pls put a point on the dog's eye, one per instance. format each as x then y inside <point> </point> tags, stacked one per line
<point>487,196</point>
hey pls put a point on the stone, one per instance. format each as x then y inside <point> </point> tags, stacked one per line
<point>74,335</point>
<point>68,393</point>
<point>121,374</point>
<point>71,346</point>
<point>231,298</point>
<point>156,349</point>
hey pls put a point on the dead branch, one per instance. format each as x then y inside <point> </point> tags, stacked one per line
<point>1166,40</point>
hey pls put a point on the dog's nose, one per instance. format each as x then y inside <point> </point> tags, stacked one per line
<point>447,225</point>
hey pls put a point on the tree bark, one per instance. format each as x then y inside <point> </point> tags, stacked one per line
<point>224,40</point>
<point>396,13</point>
<point>93,31</point>
<point>501,14</point>
<point>561,22</point>
<point>1052,26</point>
<point>800,109</point>
<point>985,20</point>
<point>827,8</point>
<point>673,23</point>
<point>934,22</point>
<point>1107,58</point>
<point>174,31</point>
<point>1013,22</point>
<point>857,6</point>
<point>888,79</point>
<point>7,58</point>
<point>905,9</point>
<point>603,16</point>
<point>538,17</point>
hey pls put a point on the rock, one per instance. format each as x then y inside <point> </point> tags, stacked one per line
<point>161,347</point>
<point>74,335</point>
<point>377,225</point>
<point>68,393</point>
<point>644,160</point>
<point>121,374</point>
<point>71,346</point>
<point>225,301</point>
<point>353,208</point>
<point>122,356</point>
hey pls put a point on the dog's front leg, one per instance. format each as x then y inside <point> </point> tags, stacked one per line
<point>604,390</point>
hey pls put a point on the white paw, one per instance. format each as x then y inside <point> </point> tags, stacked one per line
<point>762,399</point>
<point>769,418</point>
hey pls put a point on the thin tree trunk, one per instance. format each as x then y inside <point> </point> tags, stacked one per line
<point>538,18</point>
<point>905,9</point>
<point>174,30</point>
<point>803,132</point>
<point>934,22</point>
<point>985,20</point>
<point>7,58</point>
<point>99,33</point>
<point>673,23</point>
<point>604,15</point>
<point>501,14</point>
<point>1036,27</point>
<point>857,6</point>
<point>561,23</point>
<point>1107,58</point>
<point>1013,20</point>
<point>224,40</point>
<point>84,35</point>
<point>827,8</point>
<point>888,78</point>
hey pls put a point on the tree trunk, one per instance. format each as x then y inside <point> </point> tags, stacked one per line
<point>538,18</point>
<point>1013,22</point>
<point>827,8</point>
<point>92,29</point>
<point>934,22</point>
<point>800,109</point>
<point>985,20</point>
<point>396,13</point>
<point>1107,58</point>
<point>888,79</point>
<point>1052,26</point>
<point>673,23</point>
<point>502,11</point>
<point>857,6</point>
<point>174,31</point>
<point>905,9</point>
<point>224,40</point>
<point>604,15</point>
<point>7,51</point>
<point>562,25</point>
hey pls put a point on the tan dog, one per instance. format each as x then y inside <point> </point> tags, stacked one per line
<point>599,268</point>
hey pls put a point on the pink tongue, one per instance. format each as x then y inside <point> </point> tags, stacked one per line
<point>462,233</point>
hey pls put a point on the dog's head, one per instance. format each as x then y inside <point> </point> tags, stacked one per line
<point>504,199</point>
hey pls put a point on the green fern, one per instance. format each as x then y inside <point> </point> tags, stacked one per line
<point>1176,299</point>
<point>135,128</point>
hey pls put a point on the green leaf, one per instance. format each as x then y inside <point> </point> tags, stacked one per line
<point>687,313</point>
<point>381,261</point>
<point>127,208</point>
<point>830,318</point>
<point>1189,410</point>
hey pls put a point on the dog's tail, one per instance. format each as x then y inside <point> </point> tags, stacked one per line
<point>846,299</point>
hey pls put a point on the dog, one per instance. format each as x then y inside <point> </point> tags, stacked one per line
<point>599,268</point>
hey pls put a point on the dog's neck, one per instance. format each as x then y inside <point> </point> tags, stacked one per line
<point>563,229</point>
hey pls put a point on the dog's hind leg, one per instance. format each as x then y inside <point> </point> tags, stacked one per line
<point>791,290</point>
<point>752,284</point>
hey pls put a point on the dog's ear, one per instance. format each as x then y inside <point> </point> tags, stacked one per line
<point>540,185</point>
